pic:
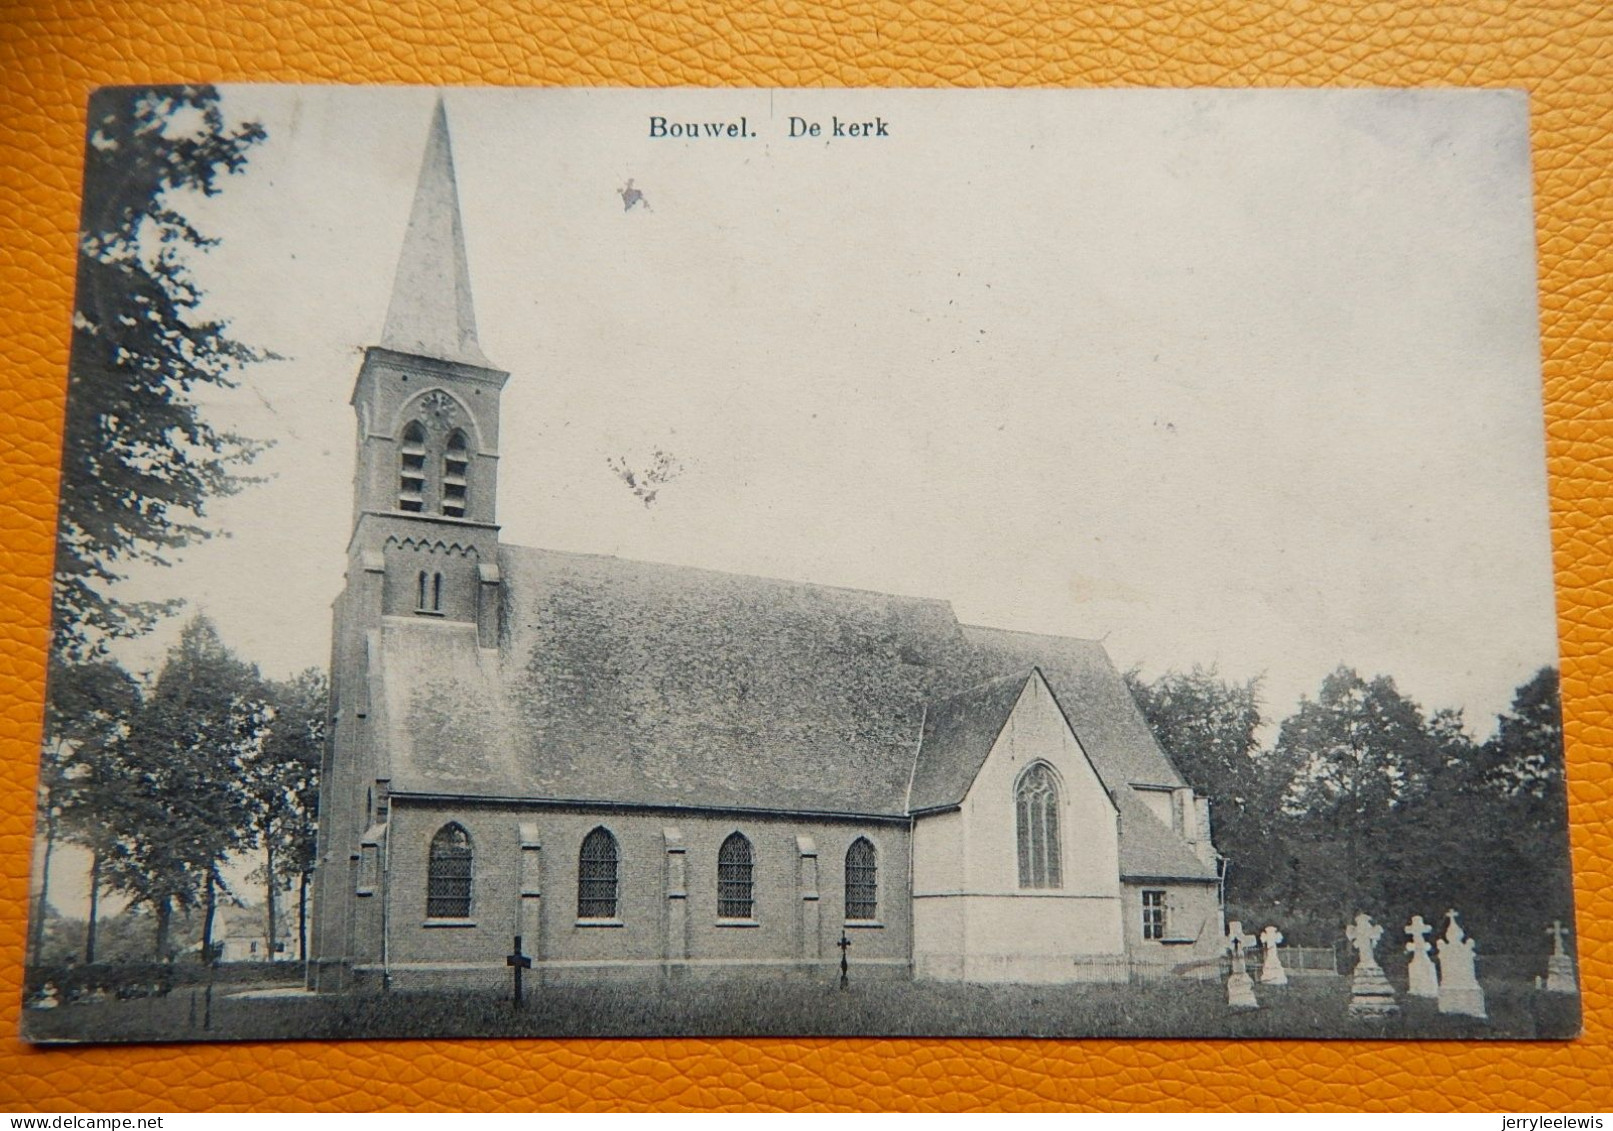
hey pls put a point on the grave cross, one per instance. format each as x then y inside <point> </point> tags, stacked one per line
<point>1557,931</point>
<point>517,963</point>
<point>844,944</point>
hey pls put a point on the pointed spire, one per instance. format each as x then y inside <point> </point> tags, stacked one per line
<point>431,312</point>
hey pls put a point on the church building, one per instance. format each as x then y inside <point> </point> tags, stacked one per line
<point>649,771</point>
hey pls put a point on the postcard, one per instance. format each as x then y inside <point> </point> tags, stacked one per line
<point>578,562</point>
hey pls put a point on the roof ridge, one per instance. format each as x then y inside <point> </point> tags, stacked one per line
<point>795,582</point>
<point>1033,635</point>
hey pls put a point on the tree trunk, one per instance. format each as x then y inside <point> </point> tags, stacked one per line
<point>37,942</point>
<point>268,849</point>
<point>95,905</point>
<point>207,919</point>
<point>302,917</point>
<point>165,911</point>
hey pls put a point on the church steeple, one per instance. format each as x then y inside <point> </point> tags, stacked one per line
<point>431,314</point>
<point>425,507</point>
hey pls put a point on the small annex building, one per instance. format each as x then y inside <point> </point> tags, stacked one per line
<point>646,770</point>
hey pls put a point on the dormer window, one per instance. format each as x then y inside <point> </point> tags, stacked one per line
<point>455,472</point>
<point>412,469</point>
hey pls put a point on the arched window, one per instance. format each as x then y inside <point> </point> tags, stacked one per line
<point>412,468</point>
<point>448,874</point>
<point>436,593</point>
<point>420,603</point>
<point>862,881</point>
<point>734,871</point>
<point>596,876</point>
<point>1037,801</point>
<point>455,482</point>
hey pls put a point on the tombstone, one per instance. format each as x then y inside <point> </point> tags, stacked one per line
<point>1424,978</point>
<point>1240,987</point>
<point>1560,978</point>
<point>1459,990</point>
<point>1271,966</point>
<point>844,944</point>
<point>1371,996</point>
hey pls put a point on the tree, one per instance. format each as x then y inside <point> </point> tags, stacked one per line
<point>86,717</point>
<point>1357,756</point>
<point>286,794</point>
<point>1209,727</point>
<point>192,748</point>
<point>140,460</point>
<point>1522,862</point>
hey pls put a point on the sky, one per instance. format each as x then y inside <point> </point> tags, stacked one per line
<point>1244,378</point>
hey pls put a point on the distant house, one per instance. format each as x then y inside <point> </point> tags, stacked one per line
<point>242,937</point>
<point>648,770</point>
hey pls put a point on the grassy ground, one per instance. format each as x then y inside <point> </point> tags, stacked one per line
<point>1314,1007</point>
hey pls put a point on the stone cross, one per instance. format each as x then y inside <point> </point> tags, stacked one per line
<point>1271,969</point>
<point>1371,995</point>
<point>1557,931</point>
<point>1424,980</point>
<point>518,963</point>
<point>1560,977</point>
<point>1240,987</point>
<point>844,944</point>
<point>1364,935</point>
<point>1237,941</point>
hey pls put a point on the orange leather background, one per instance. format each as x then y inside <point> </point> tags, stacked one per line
<point>52,52</point>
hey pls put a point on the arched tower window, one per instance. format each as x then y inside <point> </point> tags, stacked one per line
<point>734,879</point>
<point>436,592</point>
<point>448,874</point>
<point>862,881</point>
<point>424,594</point>
<point>596,876</point>
<point>1037,803</point>
<point>412,468</point>
<point>455,472</point>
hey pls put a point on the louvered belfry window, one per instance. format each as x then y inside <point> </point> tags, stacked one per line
<point>862,886</point>
<point>448,876</point>
<point>596,876</point>
<point>455,477</point>
<point>412,468</point>
<point>1037,803</point>
<point>734,879</point>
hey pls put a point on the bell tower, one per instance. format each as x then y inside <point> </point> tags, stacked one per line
<point>424,544</point>
<point>427,401</point>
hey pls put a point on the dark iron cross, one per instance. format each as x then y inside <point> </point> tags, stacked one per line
<point>844,944</point>
<point>517,963</point>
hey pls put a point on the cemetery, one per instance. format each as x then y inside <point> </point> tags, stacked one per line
<point>1443,995</point>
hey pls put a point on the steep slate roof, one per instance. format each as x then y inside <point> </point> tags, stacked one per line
<point>1101,711</point>
<point>959,732</point>
<point>636,683</point>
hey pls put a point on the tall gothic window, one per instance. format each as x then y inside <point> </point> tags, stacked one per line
<point>412,468</point>
<point>1037,802</point>
<point>448,875</point>
<point>734,879</point>
<point>862,881</point>
<point>596,876</point>
<point>455,482</point>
